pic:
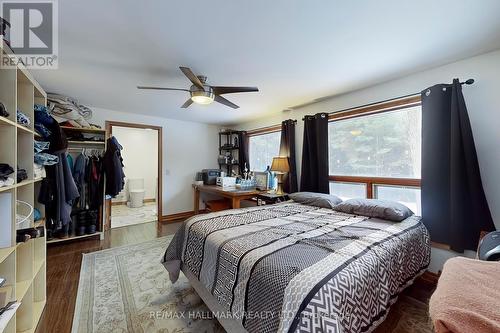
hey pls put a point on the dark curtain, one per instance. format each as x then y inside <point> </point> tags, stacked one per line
<point>243,155</point>
<point>314,174</point>
<point>454,207</point>
<point>287,148</point>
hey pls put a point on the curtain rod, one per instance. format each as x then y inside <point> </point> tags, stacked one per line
<point>269,127</point>
<point>467,82</point>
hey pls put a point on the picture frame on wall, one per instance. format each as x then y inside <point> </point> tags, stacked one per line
<point>261,179</point>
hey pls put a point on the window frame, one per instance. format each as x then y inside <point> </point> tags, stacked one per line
<point>377,108</point>
<point>263,131</point>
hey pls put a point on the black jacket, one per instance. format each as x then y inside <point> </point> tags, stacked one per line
<point>113,168</point>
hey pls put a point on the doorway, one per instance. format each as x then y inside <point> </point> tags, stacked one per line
<point>140,201</point>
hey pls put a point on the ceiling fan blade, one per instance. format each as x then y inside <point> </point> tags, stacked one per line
<point>224,101</point>
<point>159,88</point>
<point>193,78</point>
<point>187,103</point>
<point>219,90</point>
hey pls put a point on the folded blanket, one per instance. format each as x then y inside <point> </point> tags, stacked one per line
<point>467,298</point>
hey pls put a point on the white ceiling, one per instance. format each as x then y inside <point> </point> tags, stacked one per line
<point>293,50</point>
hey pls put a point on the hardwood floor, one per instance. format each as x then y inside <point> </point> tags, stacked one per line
<point>63,270</point>
<point>63,273</point>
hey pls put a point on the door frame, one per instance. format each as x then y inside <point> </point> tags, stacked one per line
<point>109,133</point>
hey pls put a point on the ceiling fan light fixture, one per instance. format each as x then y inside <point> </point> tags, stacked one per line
<point>202,97</point>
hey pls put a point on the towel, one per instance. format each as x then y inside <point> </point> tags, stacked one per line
<point>467,297</point>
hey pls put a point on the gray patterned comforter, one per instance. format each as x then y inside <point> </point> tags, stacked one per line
<point>297,268</point>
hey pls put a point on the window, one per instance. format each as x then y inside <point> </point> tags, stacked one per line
<point>262,148</point>
<point>347,191</point>
<point>375,152</point>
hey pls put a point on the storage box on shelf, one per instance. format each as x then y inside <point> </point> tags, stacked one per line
<point>22,265</point>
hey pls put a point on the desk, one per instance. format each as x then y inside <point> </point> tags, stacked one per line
<point>235,196</point>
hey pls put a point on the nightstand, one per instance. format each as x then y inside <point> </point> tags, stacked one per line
<point>270,198</point>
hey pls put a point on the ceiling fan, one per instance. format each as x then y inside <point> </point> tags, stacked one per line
<point>203,93</point>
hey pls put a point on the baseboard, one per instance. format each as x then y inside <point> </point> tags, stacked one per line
<point>430,277</point>
<point>178,216</point>
<point>118,203</point>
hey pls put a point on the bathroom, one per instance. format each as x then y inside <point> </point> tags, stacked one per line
<point>138,201</point>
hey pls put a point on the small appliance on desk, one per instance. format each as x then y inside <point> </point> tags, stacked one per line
<point>210,176</point>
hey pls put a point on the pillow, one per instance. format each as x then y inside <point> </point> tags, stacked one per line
<point>321,200</point>
<point>384,209</point>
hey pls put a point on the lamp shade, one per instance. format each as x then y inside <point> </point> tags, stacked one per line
<point>280,164</point>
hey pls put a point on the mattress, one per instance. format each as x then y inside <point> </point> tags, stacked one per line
<point>297,268</point>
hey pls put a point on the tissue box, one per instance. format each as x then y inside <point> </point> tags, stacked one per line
<point>226,181</point>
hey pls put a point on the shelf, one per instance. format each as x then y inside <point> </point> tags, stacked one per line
<point>231,132</point>
<point>25,182</point>
<point>6,188</point>
<point>22,288</point>
<point>5,121</point>
<point>87,142</point>
<point>21,184</point>
<point>7,316</point>
<point>37,313</point>
<point>60,240</point>
<point>84,130</point>
<point>38,266</point>
<point>39,223</point>
<point>24,264</point>
<point>5,252</point>
<point>25,129</point>
<point>229,148</point>
<point>22,68</point>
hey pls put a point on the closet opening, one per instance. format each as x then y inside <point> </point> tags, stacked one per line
<point>141,197</point>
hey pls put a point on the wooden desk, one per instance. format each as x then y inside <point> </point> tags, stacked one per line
<point>235,196</point>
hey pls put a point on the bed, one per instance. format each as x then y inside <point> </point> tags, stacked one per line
<point>292,267</point>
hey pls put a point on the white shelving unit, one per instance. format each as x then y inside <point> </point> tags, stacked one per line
<point>24,264</point>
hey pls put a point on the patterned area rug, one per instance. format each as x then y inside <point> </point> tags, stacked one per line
<point>126,289</point>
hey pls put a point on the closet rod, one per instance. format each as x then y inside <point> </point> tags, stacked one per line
<point>467,82</point>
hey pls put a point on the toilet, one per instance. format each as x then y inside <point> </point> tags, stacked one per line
<point>136,192</point>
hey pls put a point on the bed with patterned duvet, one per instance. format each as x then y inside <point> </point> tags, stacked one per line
<point>293,267</point>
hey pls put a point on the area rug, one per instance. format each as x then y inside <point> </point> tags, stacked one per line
<point>126,289</point>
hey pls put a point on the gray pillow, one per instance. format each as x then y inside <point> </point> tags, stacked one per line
<point>384,209</point>
<point>321,200</point>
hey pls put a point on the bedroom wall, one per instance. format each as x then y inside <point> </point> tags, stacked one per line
<point>483,101</point>
<point>188,147</point>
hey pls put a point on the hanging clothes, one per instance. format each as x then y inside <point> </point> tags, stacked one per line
<point>57,193</point>
<point>113,168</point>
<point>95,182</point>
<point>79,177</point>
<point>58,189</point>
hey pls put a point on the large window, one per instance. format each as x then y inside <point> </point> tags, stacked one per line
<point>262,148</point>
<point>375,152</point>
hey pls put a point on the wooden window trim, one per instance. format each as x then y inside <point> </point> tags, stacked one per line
<point>371,181</point>
<point>264,130</point>
<point>371,109</point>
<point>398,104</point>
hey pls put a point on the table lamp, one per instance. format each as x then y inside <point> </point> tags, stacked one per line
<point>280,166</point>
